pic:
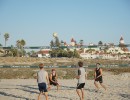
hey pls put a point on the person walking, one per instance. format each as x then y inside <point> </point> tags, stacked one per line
<point>81,81</point>
<point>42,79</point>
<point>98,77</point>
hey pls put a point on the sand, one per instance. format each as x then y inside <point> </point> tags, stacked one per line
<point>118,88</point>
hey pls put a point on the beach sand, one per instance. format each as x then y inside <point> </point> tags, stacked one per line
<point>118,88</point>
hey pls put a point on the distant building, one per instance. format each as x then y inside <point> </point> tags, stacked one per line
<point>91,44</point>
<point>121,41</point>
<point>65,44</point>
<point>89,56</point>
<point>122,45</point>
<point>92,51</point>
<point>44,53</point>
<point>72,42</point>
<point>108,51</point>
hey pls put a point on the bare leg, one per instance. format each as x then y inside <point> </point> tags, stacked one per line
<point>57,87</point>
<point>103,86</point>
<point>78,92</point>
<point>43,93</point>
<point>46,95</point>
<point>95,83</point>
<point>82,90</point>
<point>49,88</point>
<point>39,95</point>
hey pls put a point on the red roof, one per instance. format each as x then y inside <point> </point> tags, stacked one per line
<point>121,38</point>
<point>43,52</point>
<point>125,49</point>
<point>65,43</point>
<point>72,40</point>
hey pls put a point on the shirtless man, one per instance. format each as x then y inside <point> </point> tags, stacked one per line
<point>53,79</point>
<point>98,77</point>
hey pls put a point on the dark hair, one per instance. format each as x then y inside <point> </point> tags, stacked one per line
<point>80,64</point>
<point>41,65</point>
<point>53,69</point>
<point>98,64</point>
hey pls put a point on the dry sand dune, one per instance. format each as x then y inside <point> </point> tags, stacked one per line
<point>55,61</point>
<point>118,88</point>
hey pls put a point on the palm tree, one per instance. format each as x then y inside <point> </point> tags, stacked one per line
<point>23,43</point>
<point>6,36</point>
<point>100,43</point>
<point>57,42</point>
<point>81,42</point>
<point>52,43</point>
<point>0,45</point>
<point>18,44</point>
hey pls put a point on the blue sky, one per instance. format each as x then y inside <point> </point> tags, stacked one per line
<point>90,20</point>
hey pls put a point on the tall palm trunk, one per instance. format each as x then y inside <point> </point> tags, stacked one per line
<point>5,42</point>
<point>17,52</point>
<point>22,51</point>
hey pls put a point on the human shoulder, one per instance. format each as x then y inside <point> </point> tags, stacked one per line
<point>46,72</point>
<point>100,69</point>
<point>50,74</point>
<point>56,74</point>
<point>83,68</point>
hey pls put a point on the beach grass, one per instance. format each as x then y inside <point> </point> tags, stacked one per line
<point>63,73</point>
<point>117,71</point>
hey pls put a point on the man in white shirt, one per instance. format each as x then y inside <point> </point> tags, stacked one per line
<point>42,80</point>
<point>81,81</point>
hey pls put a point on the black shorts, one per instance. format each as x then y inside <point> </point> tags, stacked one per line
<point>100,80</point>
<point>53,83</point>
<point>42,87</point>
<point>80,85</point>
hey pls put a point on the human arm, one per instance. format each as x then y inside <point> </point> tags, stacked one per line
<point>79,73</point>
<point>37,77</point>
<point>47,79</point>
<point>86,76</point>
<point>56,77</point>
<point>94,73</point>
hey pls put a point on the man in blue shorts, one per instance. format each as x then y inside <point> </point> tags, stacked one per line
<point>42,79</point>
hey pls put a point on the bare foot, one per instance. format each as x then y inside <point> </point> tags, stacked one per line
<point>96,90</point>
<point>80,98</point>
